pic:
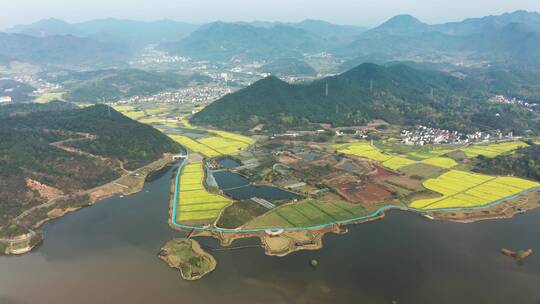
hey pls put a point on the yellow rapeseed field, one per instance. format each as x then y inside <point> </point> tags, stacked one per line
<point>443,162</point>
<point>464,189</point>
<point>397,162</point>
<point>493,150</point>
<point>195,203</point>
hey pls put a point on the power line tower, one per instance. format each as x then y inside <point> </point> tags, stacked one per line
<point>326,90</point>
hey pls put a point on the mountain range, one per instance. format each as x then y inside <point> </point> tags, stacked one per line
<point>511,38</point>
<point>58,50</point>
<point>507,39</point>
<point>134,34</point>
<point>226,41</point>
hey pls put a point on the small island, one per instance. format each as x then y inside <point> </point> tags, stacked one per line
<point>187,256</point>
<point>519,256</point>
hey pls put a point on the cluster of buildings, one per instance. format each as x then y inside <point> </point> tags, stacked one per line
<point>423,135</point>
<point>351,132</point>
<point>151,55</point>
<point>41,85</point>
<point>197,94</point>
<point>514,101</point>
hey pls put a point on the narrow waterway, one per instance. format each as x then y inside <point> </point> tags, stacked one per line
<point>107,254</point>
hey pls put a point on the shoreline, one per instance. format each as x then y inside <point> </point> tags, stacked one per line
<point>137,178</point>
<point>289,240</point>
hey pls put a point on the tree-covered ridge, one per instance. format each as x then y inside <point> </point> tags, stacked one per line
<point>27,151</point>
<point>223,41</point>
<point>398,94</point>
<point>116,136</point>
<point>525,162</point>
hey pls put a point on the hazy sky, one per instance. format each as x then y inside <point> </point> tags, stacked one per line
<point>358,12</point>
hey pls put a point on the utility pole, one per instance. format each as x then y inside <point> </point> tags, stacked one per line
<point>371,85</point>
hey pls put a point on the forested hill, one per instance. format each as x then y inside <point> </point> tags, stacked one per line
<point>525,162</point>
<point>116,136</point>
<point>30,151</point>
<point>398,94</point>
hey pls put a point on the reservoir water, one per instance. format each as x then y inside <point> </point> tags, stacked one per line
<point>107,254</point>
<point>239,188</point>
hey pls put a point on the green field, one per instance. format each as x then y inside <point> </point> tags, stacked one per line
<point>307,213</point>
<point>48,97</point>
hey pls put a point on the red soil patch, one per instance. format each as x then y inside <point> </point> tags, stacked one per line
<point>364,192</point>
<point>287,160</point>
<point>356,191</point>
<point>382,172</point>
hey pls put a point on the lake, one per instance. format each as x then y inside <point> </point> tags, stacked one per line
<point>107,253</point>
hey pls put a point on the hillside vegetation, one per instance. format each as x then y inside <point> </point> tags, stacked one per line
<point>113,84</point>
<point>398,94</point>
<point>28,151</point>
<point>224,41</point>
<point>525,162</point>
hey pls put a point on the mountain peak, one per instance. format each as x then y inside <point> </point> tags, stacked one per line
<point>402,20</point>
<point>401,24</point>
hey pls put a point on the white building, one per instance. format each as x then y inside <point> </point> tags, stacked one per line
<point>5,99</point>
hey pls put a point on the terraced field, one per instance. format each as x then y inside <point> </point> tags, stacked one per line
<point>395,162</point>
<point>443,162</point>
<point>211,146</point>
<point>48,97</point>
<point>421,155</point>
<point>224,145</point>
<point>195,146</point>
<point>195,204</point>
<point>362,149</point>
<point>463,189</point>
<point>134,114</point>
<point>494,149</point>
<point>124,109</point>
<point>233,136</point>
